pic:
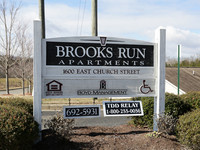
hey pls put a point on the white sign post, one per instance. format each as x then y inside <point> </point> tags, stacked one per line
<point>37,74</point>
<point>86,67</point>
<point>159,99</point>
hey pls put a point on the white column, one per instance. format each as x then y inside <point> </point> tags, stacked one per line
<point>159,101</point>
<point>37,98</point>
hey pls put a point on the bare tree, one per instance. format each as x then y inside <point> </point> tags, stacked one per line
<point>23,67</point>
<point>29,74</point>
<point>8,41</point>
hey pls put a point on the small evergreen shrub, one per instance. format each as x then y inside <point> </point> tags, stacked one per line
<point>188,129</point>
<point>174,107</point>
<point>147,119</point>
<point>192,98</point>
<point>26,104</point>
<point>18,130</point>
<point>60,127</point>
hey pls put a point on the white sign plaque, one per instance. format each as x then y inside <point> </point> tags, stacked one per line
<point>80,66</point>
<point>98,88</point>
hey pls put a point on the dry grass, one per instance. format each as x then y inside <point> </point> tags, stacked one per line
<point>78,100</point>
<point>13,83</point>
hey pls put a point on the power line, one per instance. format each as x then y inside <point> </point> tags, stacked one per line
<point>78,17</point>
<point>83,17</point>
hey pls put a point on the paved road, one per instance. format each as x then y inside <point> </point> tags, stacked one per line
<point>15,91</point>
<point>101,121</point>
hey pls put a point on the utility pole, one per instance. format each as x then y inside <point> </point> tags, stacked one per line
<point>94,25</point>
<point>42,16</point>
<point>94,18</point>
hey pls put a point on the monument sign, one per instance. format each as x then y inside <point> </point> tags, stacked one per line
<point>86,67</point>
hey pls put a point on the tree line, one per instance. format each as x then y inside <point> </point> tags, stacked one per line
<point>185,62</point>
<point>16,44</point>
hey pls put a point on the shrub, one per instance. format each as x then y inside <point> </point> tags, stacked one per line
<point>192,98</point>
<point>60,127</point>
<point>147,119</point>
<point>18,128</point>
<point>26,104</point>
<point>167,124</point>
<point>174,107</point>
<point>189,129</point>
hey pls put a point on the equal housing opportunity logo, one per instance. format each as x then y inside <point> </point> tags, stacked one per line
<point>102,90</point>
<point>54,88</point>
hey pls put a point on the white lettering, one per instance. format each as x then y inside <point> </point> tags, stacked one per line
<point>128,52</point>
<point>89,62</point>
<point>117,62</point>
<point>71,62</point>
<point>88,52</point>
<point>100,52</point>
<point>60,51</point>
<point>122,52</point>
<point>69,49</point>
<point>80,48</point>
<point>131,53</point>
<point>98,62</point>
<point>113,105</point>
<point>142,63</point>
<point>80,63</point>
<point>109,51</point>
<point>141,53</point>
<point>61,62</point>
<point>107,63</point>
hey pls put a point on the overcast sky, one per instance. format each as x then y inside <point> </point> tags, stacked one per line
<point>133,19</point>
